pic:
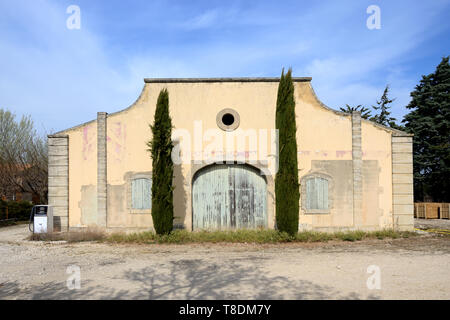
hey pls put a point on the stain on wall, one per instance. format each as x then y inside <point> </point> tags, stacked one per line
<point>372,213</point>
<point>88,205</point>
<point>179,193</point>
<point>117,206</point>
<point>120,213</point>
<point>341,213</point>
<point>116,139</point>
<point>89,142</point>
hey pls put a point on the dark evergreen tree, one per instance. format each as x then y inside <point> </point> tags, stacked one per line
<point>161,149</point>
<point>429,121</point>
<point>287,192</point>
<point>365,113</point>
<point>384,115</point>
<point>394,125</point>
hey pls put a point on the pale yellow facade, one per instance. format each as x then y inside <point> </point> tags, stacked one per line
<point>325,140</point>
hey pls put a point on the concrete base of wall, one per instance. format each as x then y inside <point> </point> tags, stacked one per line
<point>343,229</point>
<point>108,230</point>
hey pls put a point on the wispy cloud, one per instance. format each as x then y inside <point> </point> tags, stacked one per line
<point>63,77</point>
<point>203,20</point>
<point>356,70</point>
<point>60,77</point>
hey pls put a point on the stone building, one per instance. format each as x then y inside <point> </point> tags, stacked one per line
<point>354,174</point>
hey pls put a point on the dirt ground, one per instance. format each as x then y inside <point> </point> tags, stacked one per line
<point>413,268</point>
<point>441,224</point>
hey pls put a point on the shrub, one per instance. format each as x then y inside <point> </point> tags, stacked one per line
<point>351,235</point>
<point>19,210</point>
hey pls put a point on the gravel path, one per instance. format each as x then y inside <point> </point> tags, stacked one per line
<point>414,268</point>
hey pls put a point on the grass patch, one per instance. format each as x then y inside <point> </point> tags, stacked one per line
<point>250,236</point>
<point>238,236</point>
<point>183,236</point>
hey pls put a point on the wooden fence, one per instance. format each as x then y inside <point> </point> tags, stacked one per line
<point>431,210</point>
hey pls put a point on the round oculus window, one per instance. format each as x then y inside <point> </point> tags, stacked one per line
<point>227,119</point>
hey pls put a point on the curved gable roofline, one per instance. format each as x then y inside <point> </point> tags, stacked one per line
<point>184,80</point>
<point>235,79</point>
<point>62,132</point>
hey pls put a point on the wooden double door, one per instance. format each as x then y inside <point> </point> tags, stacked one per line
<point>229,197</point>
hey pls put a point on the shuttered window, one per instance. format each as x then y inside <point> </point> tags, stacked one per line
<point>317,193</point>
<point>141,193</point>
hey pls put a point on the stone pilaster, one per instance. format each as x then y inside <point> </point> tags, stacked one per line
<point>58,180</point>
<point>101,169</point>
<point>357,168</point>
<point>402,183</point>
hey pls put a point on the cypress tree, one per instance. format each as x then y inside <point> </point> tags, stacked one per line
<point>160,148</point>
<point>429,121</point>
<point>287,192</point>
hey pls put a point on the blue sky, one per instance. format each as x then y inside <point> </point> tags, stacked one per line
<point>62,77</point>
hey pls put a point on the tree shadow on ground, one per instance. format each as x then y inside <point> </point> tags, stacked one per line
<point>189,279</point>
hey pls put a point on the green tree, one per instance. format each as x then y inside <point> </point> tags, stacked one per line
<point>394,125</point>
<point>429,121</point>
<point>160,148</point>
<point>384,115</point>
<point>287,192</point>
<point>365,113</point>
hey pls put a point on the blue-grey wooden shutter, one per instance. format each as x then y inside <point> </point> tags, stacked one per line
<point>141,193</point>
<point>317,193</point>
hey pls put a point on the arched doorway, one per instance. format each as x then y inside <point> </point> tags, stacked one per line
<point>229,196</point>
